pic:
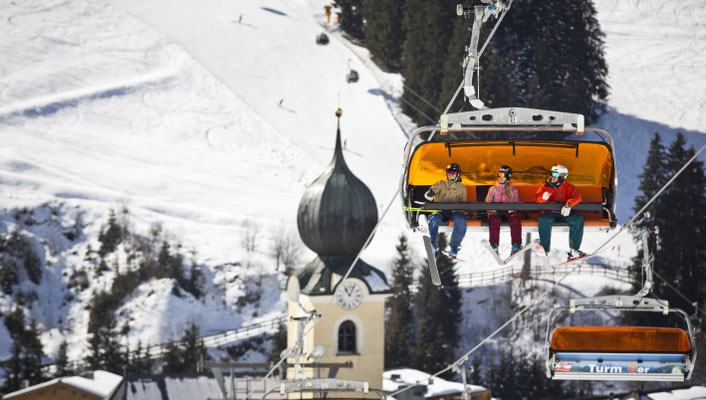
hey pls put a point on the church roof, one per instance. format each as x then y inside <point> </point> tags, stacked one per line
<point>337,211</point>
<point>319,276</point>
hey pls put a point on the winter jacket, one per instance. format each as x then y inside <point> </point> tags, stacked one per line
<point>565,193</point>
<point>449,192</point>
<point>497,194</point>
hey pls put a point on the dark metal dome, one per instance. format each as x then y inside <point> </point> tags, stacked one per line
<point>337,212</point>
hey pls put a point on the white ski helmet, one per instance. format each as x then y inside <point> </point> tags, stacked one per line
<point>561,171</point>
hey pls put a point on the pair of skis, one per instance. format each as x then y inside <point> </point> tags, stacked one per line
<point>534,245</point>
<point>539,250</point>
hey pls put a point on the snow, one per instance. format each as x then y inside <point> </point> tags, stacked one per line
<point>199,122</point>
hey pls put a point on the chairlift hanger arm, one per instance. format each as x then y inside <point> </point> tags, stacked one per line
<point>481,14</point>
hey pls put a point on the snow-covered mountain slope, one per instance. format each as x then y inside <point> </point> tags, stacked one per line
<point>204,115</point>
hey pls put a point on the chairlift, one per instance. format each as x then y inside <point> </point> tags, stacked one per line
<point>322,39</point>
<point>621,353</point>
<point>352,76</point>
<point>529,140</point>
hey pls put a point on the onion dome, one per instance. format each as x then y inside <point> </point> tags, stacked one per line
<point>338,211</point>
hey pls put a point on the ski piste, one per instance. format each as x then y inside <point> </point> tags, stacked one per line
<point>500,261</point>
<point>431,257</point>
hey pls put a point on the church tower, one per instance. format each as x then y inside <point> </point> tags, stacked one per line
<point>336,215</point>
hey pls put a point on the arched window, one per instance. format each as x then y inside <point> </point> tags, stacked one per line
<point>346,337</point>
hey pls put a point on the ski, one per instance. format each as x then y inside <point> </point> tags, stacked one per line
<point>486,244</point>
<point>453,258</point>
<point>431,257</point>
<point>526,247</point>
<point>585,257</point>
<point>539,251</point>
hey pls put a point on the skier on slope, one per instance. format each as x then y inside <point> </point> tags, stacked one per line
<point>449,190</point>
<point>504,192</point>
<point>557,189</point>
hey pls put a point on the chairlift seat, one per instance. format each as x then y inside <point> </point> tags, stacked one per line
<point>626,353</point>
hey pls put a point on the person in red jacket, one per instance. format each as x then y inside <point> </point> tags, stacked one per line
<point>557,189</point>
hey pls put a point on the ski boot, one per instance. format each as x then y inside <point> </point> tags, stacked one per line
<point>515,248</point>
<point>574,254</point>
<point>453,253</point>
<point>495,247</point>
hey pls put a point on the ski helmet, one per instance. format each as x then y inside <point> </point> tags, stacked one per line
<point>506,170</point>
<point>453,167</point>
<point>560,171</point>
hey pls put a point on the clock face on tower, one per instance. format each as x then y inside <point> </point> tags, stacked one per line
<point>349,295</point>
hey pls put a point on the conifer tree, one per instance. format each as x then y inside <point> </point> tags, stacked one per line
<point>279,343</point>
<point>383,30</point>
<point>193,349</point>
<point>453,69</point>
<point>13,369</point>
<point>183,356</point>
<point>34,354</point>
<point>399,331</point>
<point>432,351</point>
<point>450,297</point>
<point>26,353</point>
<point>527,59</point>
<point>62,360</point>
<point>351,17</point>
<point>171,362</point>
<point>682,236</point>
<point>679,214</point>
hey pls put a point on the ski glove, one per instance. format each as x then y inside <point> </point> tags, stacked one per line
<point>545,195</point>
<point>566,210</point>
<point>429,195</point>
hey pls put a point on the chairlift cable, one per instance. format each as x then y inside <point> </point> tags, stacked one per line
<point>678,292</point>
<point>421,98</point>
<point>453,98</point>
<point>350,269</point>
<point>418,110</point>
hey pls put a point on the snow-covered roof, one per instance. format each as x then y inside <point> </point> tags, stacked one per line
<point>438,387</point>
<point>185,387</point>
<point>102,384</point>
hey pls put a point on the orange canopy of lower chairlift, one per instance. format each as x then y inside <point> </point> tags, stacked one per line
<point>628,339</point>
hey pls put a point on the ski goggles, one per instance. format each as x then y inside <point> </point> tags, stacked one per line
<point>451,171</point>
<point>555,174</point>
<point>502,175</point>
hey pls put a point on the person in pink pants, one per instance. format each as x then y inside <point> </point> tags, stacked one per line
<point>504,192</point>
